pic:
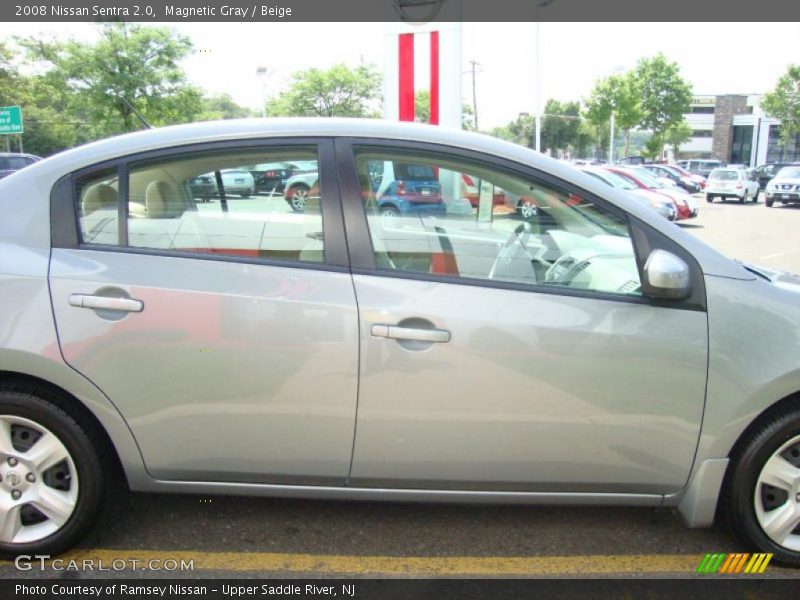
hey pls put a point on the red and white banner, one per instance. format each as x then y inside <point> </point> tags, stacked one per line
<point>406,47</point>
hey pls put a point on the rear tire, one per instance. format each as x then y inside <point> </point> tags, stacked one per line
<point>767,517</point>
<point>709,198</point>
<point>47,504</point>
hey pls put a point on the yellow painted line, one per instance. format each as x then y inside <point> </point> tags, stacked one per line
<point>415,565</point>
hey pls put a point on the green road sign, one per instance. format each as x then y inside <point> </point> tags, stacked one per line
<point>10,120</point>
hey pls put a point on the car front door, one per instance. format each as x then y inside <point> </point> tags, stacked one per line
<point>503,350</point>
<point>223,327</point>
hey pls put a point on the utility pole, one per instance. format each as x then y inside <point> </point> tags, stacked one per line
<point>474,64</point>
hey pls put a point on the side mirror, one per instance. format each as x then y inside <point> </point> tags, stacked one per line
<point>666,276</point>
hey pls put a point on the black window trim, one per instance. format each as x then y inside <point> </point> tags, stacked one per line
<point>65,228</point>
<point>362,256</point>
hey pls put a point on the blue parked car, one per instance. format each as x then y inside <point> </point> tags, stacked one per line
<point>406,188</point>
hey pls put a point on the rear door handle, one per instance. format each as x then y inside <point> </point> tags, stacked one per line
<point>106,303</point>
<point>395,332</point>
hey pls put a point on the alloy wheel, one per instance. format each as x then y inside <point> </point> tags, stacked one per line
<point>777,496</point>
<point>38,481</point>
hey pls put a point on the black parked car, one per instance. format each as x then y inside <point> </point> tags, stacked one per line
<point>767,172</point>
<point>14,161</point>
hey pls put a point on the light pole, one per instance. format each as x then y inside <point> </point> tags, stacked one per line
<point>611,141</point>
<point>538,85</point>
<point>262,73</point>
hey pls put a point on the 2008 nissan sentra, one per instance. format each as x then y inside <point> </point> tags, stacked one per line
<point>584,351</point>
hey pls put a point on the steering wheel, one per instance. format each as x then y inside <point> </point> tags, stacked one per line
<point>522,236</point>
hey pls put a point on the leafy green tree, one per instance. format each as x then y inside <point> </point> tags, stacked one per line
<point>783,103</point>
<point>664,96</point>
<point>222,106</point>
<point>337,92</point>
<point>677,135</point>
<point>561,124</point>
<point>653,147</point>
<point>617,95</point>
<point>422,111</point>
<point>129,65</point>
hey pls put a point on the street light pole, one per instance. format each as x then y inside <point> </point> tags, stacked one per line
<point>261,73</point>
<point>611,142</point>
<point>538,86</point>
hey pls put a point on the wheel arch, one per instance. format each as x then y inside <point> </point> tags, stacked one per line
<point>82,400</point>
<point>700,502</point>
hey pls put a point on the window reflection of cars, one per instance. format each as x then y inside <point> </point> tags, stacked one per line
<point>299,188</point>
<point>234,181</point>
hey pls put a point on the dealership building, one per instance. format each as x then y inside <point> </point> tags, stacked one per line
<point>733,128</point>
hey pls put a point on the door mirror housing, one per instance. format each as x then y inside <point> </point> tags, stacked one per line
<point>666,276</point>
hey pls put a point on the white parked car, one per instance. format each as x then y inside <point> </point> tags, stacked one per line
<point>784,187</point>
<point>732,183</point>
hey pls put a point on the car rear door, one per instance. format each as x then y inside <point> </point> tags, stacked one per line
<point>502,353</point>
<point>224,329</point>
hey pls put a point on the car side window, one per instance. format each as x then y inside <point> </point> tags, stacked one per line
<point>433,215</point>
<point>247,203</point>
<point>97,197</point>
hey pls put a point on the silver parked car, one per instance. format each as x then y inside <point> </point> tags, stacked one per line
<point>587,352</point>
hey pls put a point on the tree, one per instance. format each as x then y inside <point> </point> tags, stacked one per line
<point>129,65</point>
<point>222,106</point>
<point>664,96</point>
<point>616,95</point>
<point>422,111</point>
<point>561,124</point>
<point>338,92</point>
<point>783,103</point>
<point>677,135</point>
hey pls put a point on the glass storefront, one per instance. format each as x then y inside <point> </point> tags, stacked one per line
<point>742,144</point>
<point>776,152</point>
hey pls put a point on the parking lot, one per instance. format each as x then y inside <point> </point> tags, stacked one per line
<point>268,537</point>
<point>751,232</point>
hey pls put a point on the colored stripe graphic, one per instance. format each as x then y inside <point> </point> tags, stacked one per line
<point>739,562</point>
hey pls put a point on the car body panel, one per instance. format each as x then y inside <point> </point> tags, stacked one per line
<point>201,319</point>
<point>556,393</point>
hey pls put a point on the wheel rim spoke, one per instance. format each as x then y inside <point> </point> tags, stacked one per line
<point>10,522</point>
<point>779,472</point>
<point>48,451</point>
<point>54,504</point>
<point>779,523</point>
<point>6,447</point>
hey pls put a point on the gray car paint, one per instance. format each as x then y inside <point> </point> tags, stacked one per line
<point>733,296</point>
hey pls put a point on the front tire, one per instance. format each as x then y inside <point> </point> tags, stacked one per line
<point>52,479</point>
<point>768,203</point>
<point>709,198</point>
<point>761,497</point>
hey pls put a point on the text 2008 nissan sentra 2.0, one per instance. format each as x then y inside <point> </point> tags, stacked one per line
<point>583,351</point>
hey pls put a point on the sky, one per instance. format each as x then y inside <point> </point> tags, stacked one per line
<point>716,58</point>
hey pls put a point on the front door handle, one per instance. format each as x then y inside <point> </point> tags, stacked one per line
<point>106,303</point>
<point>416,334</point>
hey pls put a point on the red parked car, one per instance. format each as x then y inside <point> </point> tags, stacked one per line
<point>685,204</point>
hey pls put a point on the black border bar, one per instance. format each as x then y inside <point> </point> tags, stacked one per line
<point>411,11</point>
